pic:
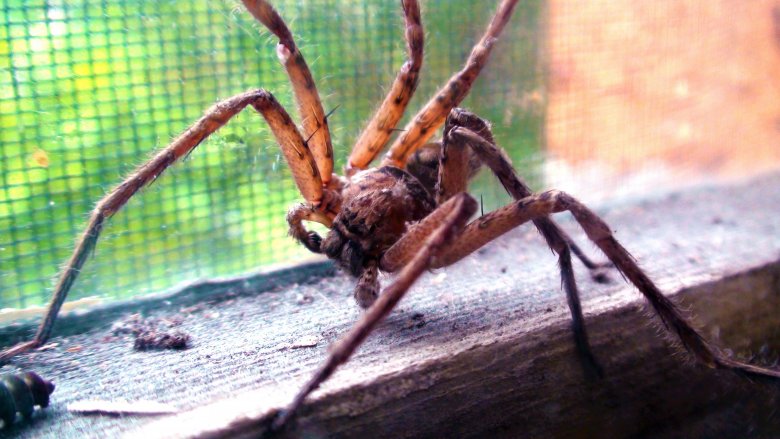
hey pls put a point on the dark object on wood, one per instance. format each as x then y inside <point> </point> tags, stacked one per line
<point>153,340</point>
<point>152,334</point>
<point>20,393</point>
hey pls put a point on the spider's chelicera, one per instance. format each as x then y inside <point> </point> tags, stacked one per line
<point>407,215</point>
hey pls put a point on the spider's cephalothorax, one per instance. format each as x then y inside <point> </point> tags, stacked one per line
<point>377,205</point>
<point>387,218</point>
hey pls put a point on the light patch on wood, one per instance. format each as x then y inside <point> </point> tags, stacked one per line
<point>121,407</point>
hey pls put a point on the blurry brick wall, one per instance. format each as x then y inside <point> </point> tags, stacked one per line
<point>692,85</point>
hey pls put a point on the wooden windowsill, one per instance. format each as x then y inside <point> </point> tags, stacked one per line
<point>482,348</point>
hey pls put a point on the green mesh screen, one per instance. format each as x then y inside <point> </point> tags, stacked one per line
<point>91,88</point>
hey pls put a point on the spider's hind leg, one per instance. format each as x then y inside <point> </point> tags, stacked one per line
<point>500,164</point>
<point>540,206</point>
<point>453,177</point>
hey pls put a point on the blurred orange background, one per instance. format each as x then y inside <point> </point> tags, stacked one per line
<point>690,86</point>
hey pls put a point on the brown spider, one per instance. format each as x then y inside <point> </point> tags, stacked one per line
<point>408,215</point>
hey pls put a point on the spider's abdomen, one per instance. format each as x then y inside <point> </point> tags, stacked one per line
<point>377,206</point>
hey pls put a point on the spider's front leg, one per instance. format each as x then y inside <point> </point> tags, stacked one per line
<point>294,149</point>
<point>381,126</point>
<point>432,115</point>
<point>313,117</point>
<point>429,238</point>
<point>535,207</point>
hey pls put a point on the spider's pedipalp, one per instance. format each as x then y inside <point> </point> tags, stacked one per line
<point>306,212</point>
<point>433,114</point>
<point>367,288</point>
<point>315,124</point>
<point>378,131</point>
<point>294,149</point>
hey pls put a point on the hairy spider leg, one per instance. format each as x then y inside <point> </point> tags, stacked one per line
<point>534,207</point>
<point>455,163</point>
<point>443,225</point>
<point>454,173</point>
<point>383,123</point>
<point>313,118</point>
<point>433,114</point>
<point>557,239</point>
<point>294,149</point>
<point>501,166</point>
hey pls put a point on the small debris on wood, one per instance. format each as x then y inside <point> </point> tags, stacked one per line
<point>308,341</point>
<point>20,393</point>
<point>600,275</point>
<point>47,347</point>
<point>194,308</point>
<point>153,340</point>
<point>121,407</point>
<point>133,324</point>
<point>77,348</point>
<point>304,299</point>
<point>439,279</point>
<point>153,334</point>
<point>305,342</point>
<point>417,321</point>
